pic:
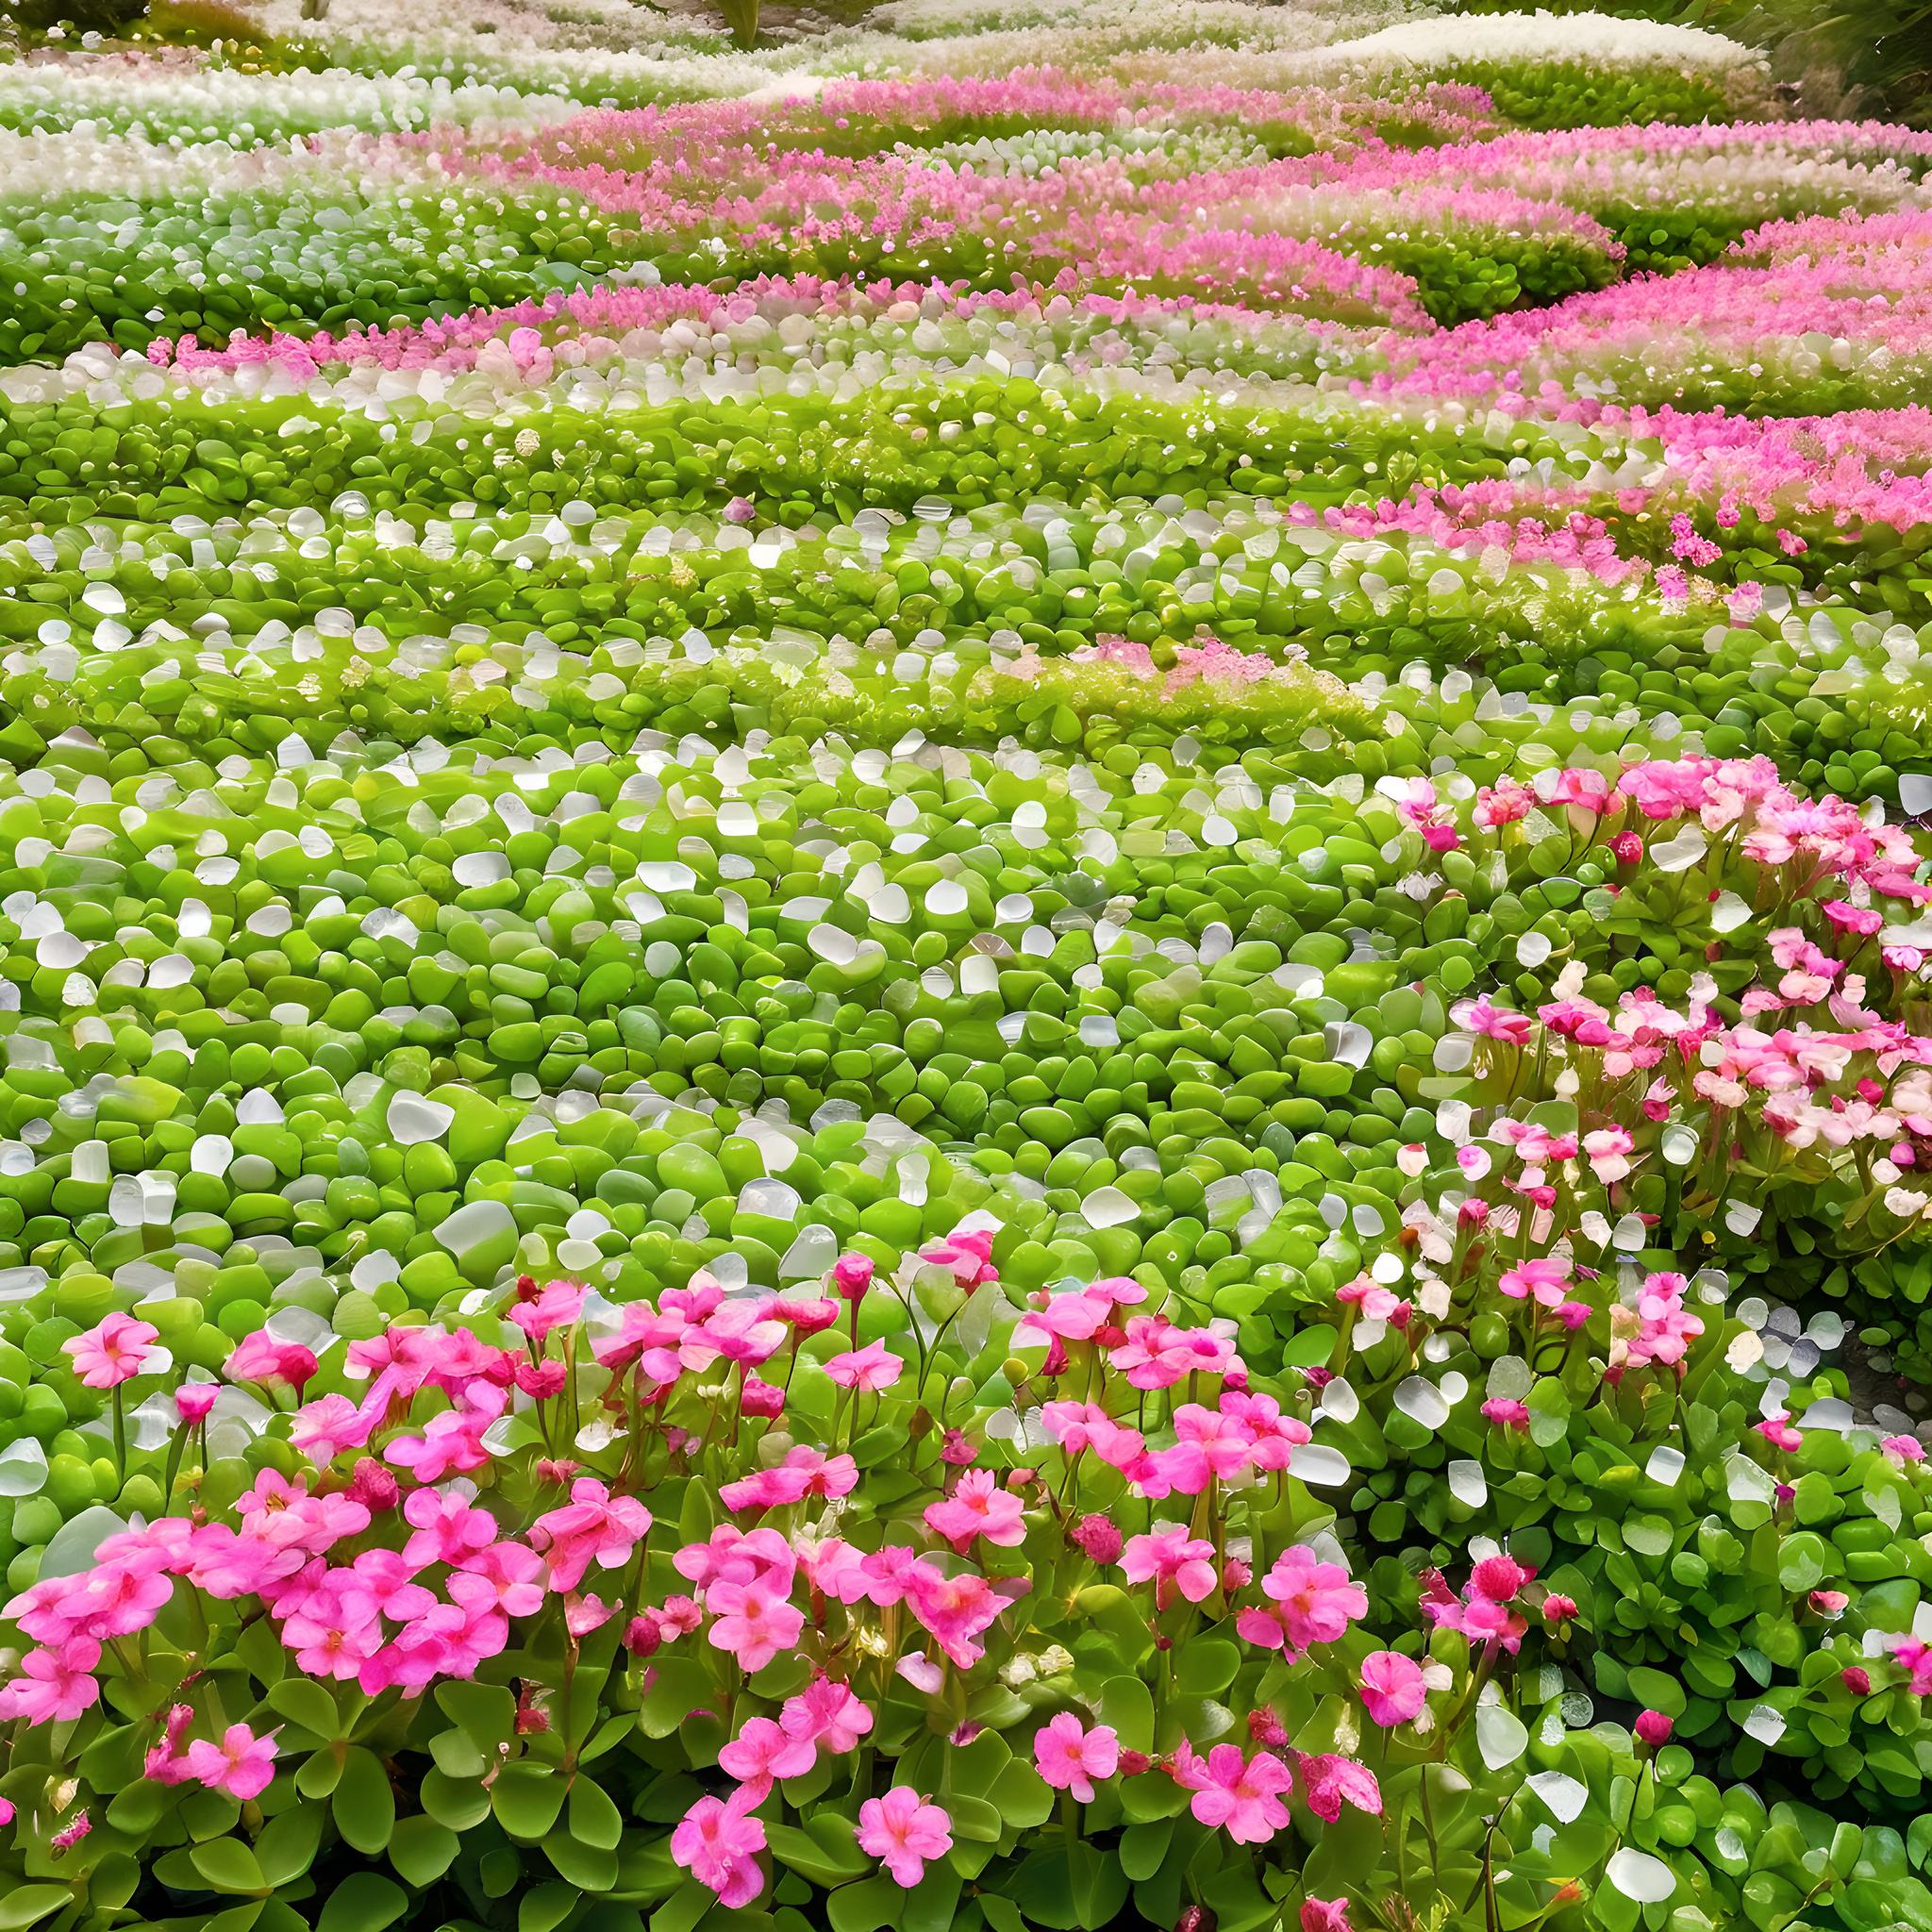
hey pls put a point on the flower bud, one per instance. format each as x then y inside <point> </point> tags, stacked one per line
<point>1264,1728</point>
<point>852,1276</point>
<point>760,1398</point>
<point>1194,1919</point>
<point>372,1486</point>
<point>193,1400</point>
<point>1653,1728</point>
<point>1099,1538</point>
<point>1856,1679</point>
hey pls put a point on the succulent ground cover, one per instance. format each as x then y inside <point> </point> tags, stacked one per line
<point>973,976</point>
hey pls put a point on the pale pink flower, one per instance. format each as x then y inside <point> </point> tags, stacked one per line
<point>1068,1757</point>
<point>1173,1561</point>
<point>978,1508</point>
<point>903,1831</point>
<point>718,1842</point>
<point>241,1764</point>
<point>753,1621</point>
<point>867,1370</point>
<point>763,1751</point>
<point>114,1351</point>
<point>55,1683</point>
<point>828,1714</point>
<point>1394,1688</point>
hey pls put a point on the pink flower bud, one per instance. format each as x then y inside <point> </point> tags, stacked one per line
<point>1264,1728</point>
<point>1626,848</point>
<point>852,1276</point>
<point>642,1636</point>
<point>1856,1679</point>
<point>760,1398</point>
<point>1558,1609</point>
<point>193,1400</point>
<point>956,1452</point>
<point>1099,1538</point>
<point>1653,1728</point>
<point>372,1486</point>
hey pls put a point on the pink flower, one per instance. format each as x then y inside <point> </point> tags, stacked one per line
<point>753,1621</point>
<point>868,1369</point>
<point>1314,1603</point>
<point>1173,1561</point>
<point>323,1428</point>
<point>804,1473</point>
<point>557,1305</point>
<point>1653,1728</point>
<point>241,1764</point>
<point>449,1530</point>
<point>1546,1280</point>
<point>1070,1757</point>
<point>1778,1432</point>
<point>193,1400</point>
<point>762,1751</point>
<point>828,1714</point>
<point>977,1508</point>
<point>718,1842</point>
<point>903,1831</point>
<point>593,1526</point>
<point>54,1683</point>
<point>1903,1449</point>
<point>1324,1915</point>
<point>113,1352</point>
<point>1507,1413</point>
<point>1240,1795</point>
<point>1330,1780</point>
<point>953,1610</point>
<point>1392,1687</point>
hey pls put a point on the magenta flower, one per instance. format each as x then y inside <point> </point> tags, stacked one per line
<point>241,1764</point>
<point>1392,1687</point>
<point>1324,1915</point>
<point>1330,1780</point>
<point>449,1529</point>
<point>114,1351</point>
<point>903,1831</point>
<point>718,1842</point>
<point>1241,1795</point>
<point>1068,1757</point>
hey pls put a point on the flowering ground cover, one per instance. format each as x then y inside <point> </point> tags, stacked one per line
<point>968,976</point>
